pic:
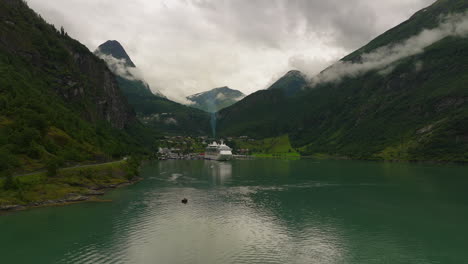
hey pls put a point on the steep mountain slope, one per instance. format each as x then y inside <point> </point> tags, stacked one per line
<point>167,116</point>
<point>216,99</point>
<point>154,110</point>
<point>410,107</point>
<point>114,48</point>
<point>123,67</point>
<point>57,100</point>
<point>291,83</point>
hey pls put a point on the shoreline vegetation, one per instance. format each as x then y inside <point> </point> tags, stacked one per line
<point>86,183</point>
<point>67,185</point>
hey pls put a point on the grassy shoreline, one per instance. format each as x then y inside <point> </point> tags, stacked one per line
<point>69,185</point>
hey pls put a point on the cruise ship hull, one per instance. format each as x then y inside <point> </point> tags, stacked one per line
<point>219,157</point>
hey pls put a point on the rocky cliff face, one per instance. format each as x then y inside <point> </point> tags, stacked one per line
<point>103,92</point>
<point>59,103</point>
<point>63,64</point>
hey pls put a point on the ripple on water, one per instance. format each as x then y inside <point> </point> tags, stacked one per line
<point>248,219</point>
<point>219,225</point>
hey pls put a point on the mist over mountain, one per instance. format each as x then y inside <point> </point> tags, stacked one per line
<point>114,48</point>
<point>130,78</point>
<point>403,96</point>
<point>351,147</point>
<point>152,107</point>
<point>216,99</point>
<point>291,83</point>
<point>58,101</point>
<point>384,57</point>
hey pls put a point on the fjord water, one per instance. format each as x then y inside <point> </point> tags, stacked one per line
<point>258,211</point>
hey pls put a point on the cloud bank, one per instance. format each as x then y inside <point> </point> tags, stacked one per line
<point>383,57</point>
<point>187,46</point>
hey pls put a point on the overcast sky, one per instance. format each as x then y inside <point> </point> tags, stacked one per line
<point>187,46</point>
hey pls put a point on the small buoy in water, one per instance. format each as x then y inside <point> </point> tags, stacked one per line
<point>184,201</point>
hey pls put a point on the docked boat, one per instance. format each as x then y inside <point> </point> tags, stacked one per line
<point>216,151</point>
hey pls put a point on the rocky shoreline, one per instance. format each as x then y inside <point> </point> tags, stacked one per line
<point>71,198</point>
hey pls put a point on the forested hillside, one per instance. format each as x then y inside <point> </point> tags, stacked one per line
<point>58,102</point>
<point>404,96</point>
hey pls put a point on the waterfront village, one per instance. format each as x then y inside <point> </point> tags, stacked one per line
<point>193,148</point>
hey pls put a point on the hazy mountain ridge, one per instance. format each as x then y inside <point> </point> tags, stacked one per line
<point>216,99</point>
<point>414,108</point>
<point>119,62</point>
<point>153,109</point>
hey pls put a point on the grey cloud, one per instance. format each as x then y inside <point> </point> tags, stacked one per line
<point>187,46</point>
<point>348,24</point>
<point>309,65</point>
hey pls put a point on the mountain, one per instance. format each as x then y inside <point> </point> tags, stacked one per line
<point>291,83</point>
<point>153,109</point>
<point>57,99</point>
<point>170,117</point>
<point>216,99</point>
<point>122,66</point>
<point>115,49</point>
<point>403,96</point>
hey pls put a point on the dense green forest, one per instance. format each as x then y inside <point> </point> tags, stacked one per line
<point>169,117</point>
<point>418,110</point>
<point>58,102</point>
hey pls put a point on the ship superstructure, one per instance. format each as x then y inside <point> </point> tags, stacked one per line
<point>216,151</point>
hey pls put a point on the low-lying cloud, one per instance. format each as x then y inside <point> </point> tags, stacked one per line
<point>220,96</point>
<point>383,59</point>
<point>188,46</point>
<point>120,68</point>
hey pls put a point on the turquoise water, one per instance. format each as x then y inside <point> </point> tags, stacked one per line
<point>260,211</point>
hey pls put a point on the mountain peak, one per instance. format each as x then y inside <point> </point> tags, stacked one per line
<point>291,83</point>
<point>130,81</point>
<point>294,73</point>
<point>224,89</point>
<point>216,99</point>
<point>116,50</point>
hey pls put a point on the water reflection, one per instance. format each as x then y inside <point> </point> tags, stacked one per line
<point>256,212</point>
<point>221,172</point>
<point>224,225</point>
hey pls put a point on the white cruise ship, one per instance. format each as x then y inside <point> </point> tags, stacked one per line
<point>216,151</point>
